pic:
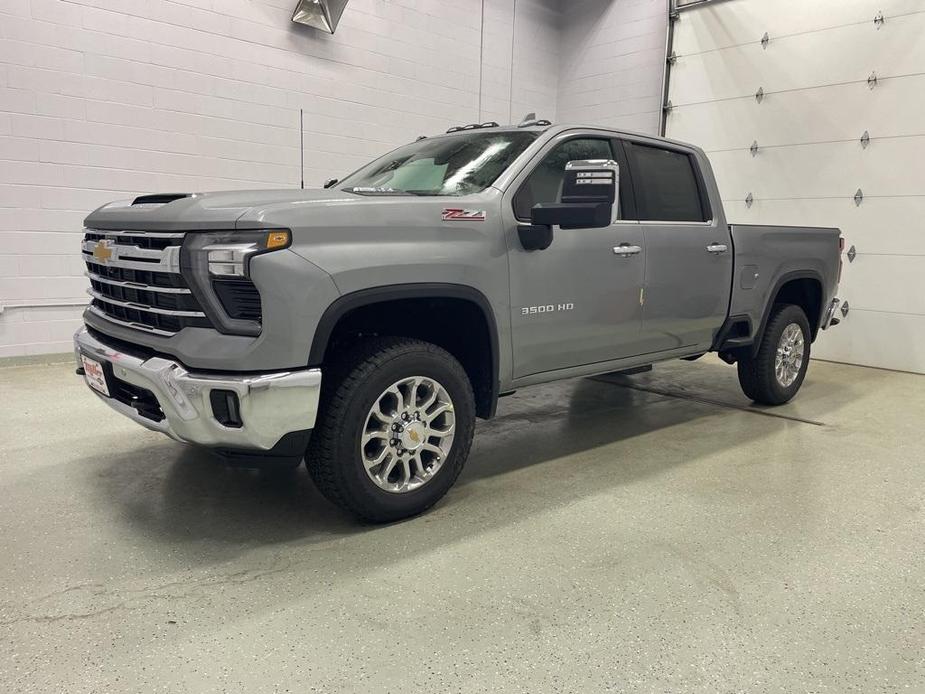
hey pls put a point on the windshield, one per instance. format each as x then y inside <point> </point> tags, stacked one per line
<point>457,165</point>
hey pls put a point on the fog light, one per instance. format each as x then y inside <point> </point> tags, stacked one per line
<point>226,408</point>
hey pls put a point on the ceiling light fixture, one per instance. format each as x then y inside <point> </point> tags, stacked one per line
<point>320,14</point>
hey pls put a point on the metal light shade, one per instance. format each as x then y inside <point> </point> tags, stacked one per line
<point>320,14</point>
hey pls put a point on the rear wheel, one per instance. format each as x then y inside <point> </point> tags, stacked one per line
<point>394,430</point>
<point>774,375</point>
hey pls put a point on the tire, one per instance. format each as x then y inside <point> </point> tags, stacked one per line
<point>757,374</point>
<point>360,380</point>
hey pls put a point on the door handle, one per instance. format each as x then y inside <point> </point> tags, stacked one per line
<point>717,248</point>
<point>625,250</point>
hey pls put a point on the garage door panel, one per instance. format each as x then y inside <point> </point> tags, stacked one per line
<point>878,225</point>
<point>739,21</point>
<point>892,283</point>
<point>810,161</point>
<point>895,107</point>
<point>846,54</point>
<point>875,338</point>
<point>824,170</point>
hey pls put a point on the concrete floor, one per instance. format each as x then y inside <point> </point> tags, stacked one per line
<point>602,538</point>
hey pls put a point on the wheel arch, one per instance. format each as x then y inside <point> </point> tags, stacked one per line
<point>803,288</point>
<point>370,305</point>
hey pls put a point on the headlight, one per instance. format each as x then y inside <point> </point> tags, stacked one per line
<point>228,254</point>
<point>215,260</point>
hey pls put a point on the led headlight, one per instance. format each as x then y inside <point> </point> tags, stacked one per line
<point>215,260</point>
<point>228,253</point>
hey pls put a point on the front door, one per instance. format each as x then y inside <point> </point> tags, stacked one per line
<point>578,301</point>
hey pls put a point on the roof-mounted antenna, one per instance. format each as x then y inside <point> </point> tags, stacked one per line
<point>526,119</point>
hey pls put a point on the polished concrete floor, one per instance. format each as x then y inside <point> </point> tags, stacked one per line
<point>653,534</point>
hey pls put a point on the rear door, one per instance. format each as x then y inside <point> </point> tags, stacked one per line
<point>688,249</point>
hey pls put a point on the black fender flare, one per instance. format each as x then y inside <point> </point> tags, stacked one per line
<point>772,295</point>
<point>346,303</point>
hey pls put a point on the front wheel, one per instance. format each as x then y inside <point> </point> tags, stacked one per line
<point>774,375</point>
<point>394,430</point>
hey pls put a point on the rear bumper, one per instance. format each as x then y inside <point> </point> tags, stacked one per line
<point>271,405</point>
<point>829,318</point>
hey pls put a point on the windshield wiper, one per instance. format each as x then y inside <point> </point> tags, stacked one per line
<point>374,190</point>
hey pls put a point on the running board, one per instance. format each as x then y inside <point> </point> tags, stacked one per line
<point>630,372</point>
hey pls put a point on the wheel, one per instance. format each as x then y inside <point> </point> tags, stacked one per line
<point>394,429</point>
<point>774,375</point>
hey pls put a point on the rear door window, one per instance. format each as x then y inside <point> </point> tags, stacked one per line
<point>666,185</point>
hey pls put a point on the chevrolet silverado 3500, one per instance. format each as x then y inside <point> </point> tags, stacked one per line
<point>364,326</point>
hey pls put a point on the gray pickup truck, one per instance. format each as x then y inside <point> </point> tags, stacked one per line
<point>364,326</point>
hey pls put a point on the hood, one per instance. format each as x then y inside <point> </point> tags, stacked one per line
<point>200,211</point>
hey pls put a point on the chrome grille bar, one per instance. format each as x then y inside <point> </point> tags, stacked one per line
<point>137,285</point>
<point>142,307</point>
<point>128,324</point>
<point>145,234</point>
<point>135,258</point>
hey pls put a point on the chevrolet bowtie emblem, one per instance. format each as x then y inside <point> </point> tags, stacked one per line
<point>102,252</point>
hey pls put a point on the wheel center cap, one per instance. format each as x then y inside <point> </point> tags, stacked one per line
<point>413,436</point>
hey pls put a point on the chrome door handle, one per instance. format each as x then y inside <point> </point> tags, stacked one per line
<point>625,250</point>
<point>717,248</point>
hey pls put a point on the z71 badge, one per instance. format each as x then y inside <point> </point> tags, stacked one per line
<point>457,214</point>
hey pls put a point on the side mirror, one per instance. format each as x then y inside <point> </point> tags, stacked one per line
<point>588,200</point>
<point>330,183</point>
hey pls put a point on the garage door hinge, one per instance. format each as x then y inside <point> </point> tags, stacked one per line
<point>858,197</point>
<point>865,140</point>
<point>764,40</point>
<point>844,309</point>
<point>759,95</point>
<point>673,58</point>
<point>749,199</point>
<point>879,20</point>
<point>872,80</point>
<point>852,254</point>
<point>754,148</point>
<point>668,107</point>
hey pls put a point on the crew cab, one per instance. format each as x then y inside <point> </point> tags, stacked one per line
<point>363,327</point>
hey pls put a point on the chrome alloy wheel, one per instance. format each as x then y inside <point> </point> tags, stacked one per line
<point>789,358</point>
<point>408,434</point>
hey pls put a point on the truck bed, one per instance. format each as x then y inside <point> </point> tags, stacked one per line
<point>769,256</point>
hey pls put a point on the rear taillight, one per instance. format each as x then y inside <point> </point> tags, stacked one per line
<point>841,249</point>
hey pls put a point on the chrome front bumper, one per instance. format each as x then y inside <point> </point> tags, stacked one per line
<point>271,404</point>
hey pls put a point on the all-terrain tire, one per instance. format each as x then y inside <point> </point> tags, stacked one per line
<point>351,387</point>
<point>757,374</point>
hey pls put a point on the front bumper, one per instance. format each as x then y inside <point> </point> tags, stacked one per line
<point>272,405</point>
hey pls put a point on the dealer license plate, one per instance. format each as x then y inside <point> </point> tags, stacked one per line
<point>93,372</point>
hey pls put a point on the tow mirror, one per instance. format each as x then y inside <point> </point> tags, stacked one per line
<point>330,183</point>
<point>588,200</point>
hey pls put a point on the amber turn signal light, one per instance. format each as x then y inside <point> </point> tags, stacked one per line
<point>277,239</point>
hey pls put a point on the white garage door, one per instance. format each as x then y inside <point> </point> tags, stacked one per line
<point>831,73</point>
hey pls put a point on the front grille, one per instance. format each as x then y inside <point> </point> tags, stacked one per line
<point>135,281</point>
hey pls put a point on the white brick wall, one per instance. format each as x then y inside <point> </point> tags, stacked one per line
<point>613,58</point>
<point>107,99</point>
